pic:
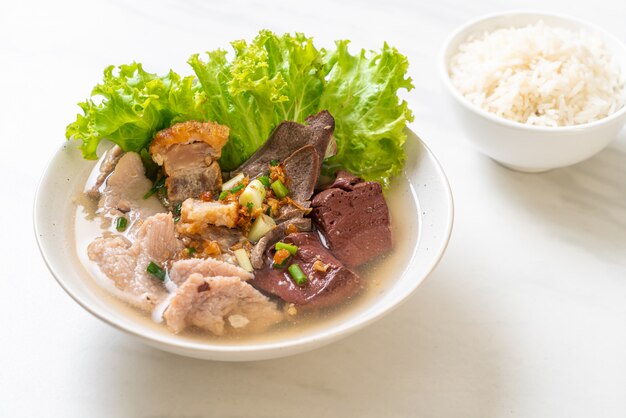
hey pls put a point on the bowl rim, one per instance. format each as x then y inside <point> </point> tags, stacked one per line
<point>312,341</point>
<point>460,98</point>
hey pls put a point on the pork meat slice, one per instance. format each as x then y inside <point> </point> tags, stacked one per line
<point>207,267</point>
<point>289,137</point>
<point>209,302</point>
<point>188,152</point>
<point>106,166</point>
<point>124,191</point>
<point>125,262</point>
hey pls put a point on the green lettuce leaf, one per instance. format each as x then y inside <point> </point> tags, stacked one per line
<point>361,92</point>
<point>131,105</point>
<point>262,83</point>
<point>269,80</point>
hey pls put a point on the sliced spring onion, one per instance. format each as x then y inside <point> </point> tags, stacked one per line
<point>121,224</point>
<point>293,249</point>
<point>250,207</point>
<point>156,270</point>
<point>261,226</point>
<point>223,195</point>
<point>297,274</point>
<point>281,257</point>
<point>236,188</point>
<point>242,258</point>
<point>233,182</point>
<point>254,193</point>
<point>191,250</point>
<point>280,190</point>
<point>274,163</point>
<point>265,180</point>
<point>176,212</point>
<point>158,185</point>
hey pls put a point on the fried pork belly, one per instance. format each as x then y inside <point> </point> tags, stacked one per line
<point>196,214</point>
<point>188,152</point>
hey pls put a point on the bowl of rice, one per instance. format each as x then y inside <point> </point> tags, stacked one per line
<point>536,91</point>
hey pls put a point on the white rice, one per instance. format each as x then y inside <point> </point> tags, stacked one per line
<point>539,75</point>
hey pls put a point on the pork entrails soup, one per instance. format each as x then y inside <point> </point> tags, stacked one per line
<point>239,253</point>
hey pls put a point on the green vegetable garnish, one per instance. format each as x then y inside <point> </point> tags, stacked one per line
<point>158,185</point>
<point>176,212</point>
<point>293,249</point>
<point>121,223</point>
<point>280,190</point>
<point>265,180</point>
<point>297,274</point>
<point>250,207</point>
<point>191,250</point>
<point>225,193</point>
<point>266,81</point>
<point>156,271</point>
<point>274,163</point>
<point>237,188</point>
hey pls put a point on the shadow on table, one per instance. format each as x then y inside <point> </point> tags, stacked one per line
<point>425,359</point>
<point>584,204</point>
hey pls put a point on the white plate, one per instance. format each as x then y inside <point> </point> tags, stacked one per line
<point>423,185</point>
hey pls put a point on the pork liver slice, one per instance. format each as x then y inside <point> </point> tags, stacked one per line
<point>354,218</point>
<point>323,289</point>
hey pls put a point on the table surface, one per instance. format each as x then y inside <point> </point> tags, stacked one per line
<point>524,316</point>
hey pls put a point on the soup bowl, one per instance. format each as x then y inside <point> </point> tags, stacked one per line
<point>423,233</point>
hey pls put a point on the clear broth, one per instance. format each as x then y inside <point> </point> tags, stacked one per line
<point>379,275</point>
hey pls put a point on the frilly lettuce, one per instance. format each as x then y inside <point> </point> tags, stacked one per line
<point>271,79</point>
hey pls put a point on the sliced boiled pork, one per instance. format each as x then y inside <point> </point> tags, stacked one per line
<point>126,262</point>
<point>214,303</point>
<point>124,192</point>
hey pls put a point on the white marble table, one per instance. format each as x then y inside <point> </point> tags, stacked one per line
<point>524,317</point>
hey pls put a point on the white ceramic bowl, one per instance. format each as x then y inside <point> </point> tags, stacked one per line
<point>423,185</point>
<point>519,146</point>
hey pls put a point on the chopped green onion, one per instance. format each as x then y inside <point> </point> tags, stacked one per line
<point>158,185</point>
<point>191,250</point>
<point>254,193</point>
<point>156,270</point>
<point>233,190</point>
<point>233,182</point>
<point>261,226</point>
<point>280,190</point>
<point>250,207</point>
<point>281,265</point>
<point>265,180</point>
<point>297,274</point>
<point>236,188</point>
<point>293,249</point>
<point>274,163</point>
<point>242,258</point>
<point>121,223</point>
<point>176,210</point>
